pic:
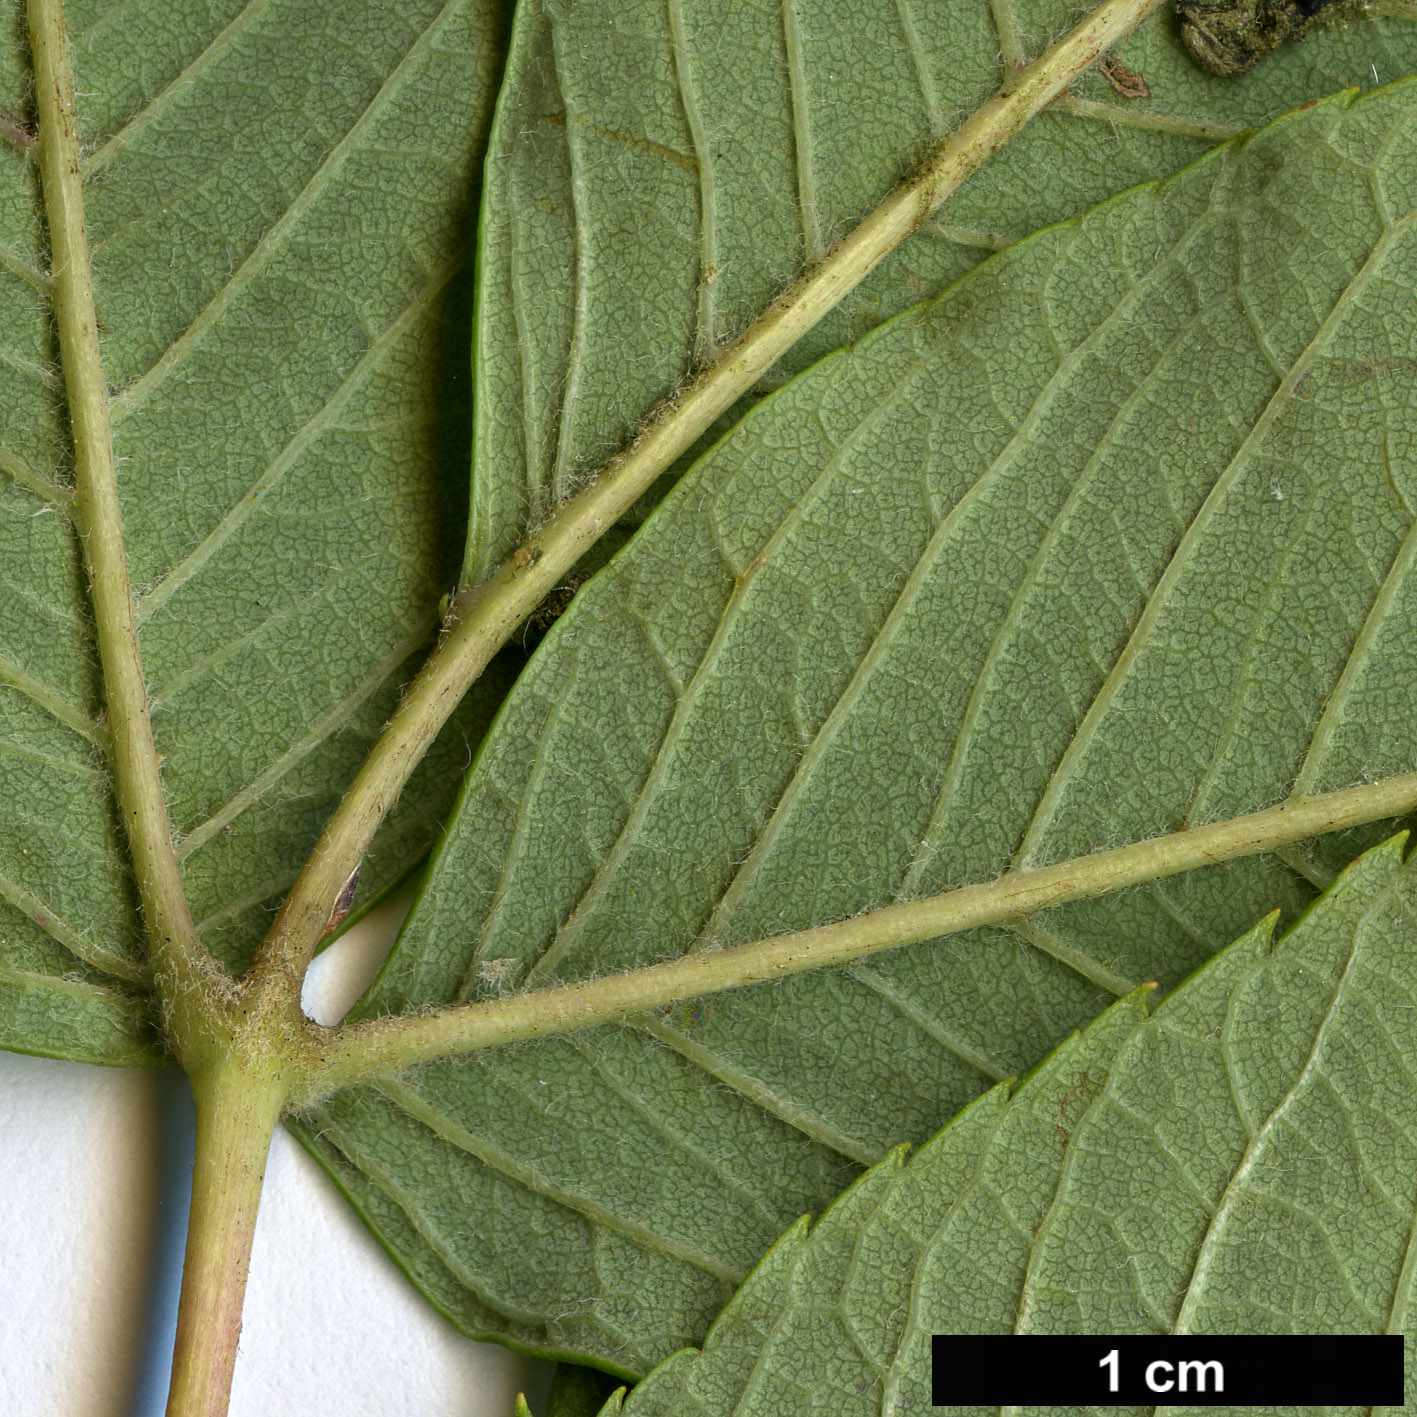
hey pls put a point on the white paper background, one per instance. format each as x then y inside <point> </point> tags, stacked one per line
<point>95,1166</point>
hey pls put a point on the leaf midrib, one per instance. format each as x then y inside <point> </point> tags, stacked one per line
<point>554,464</point>
<point>393,1044</point>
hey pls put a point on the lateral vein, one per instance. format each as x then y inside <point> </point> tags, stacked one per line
<point>498,1159</point>
<point>1358,658</point>
<point>52,702</point>
<point>137,393</point>
<point>801,132</point>
<point>698,684</point>
<point>330,723</point>
<point>800,1118</point>
<point>242,511</point>
<point>110,961</point>
<point>217,49</point>
<point>707,323</point>
<point>17,468</point>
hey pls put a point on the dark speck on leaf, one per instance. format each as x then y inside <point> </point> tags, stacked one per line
<point>1231,36</point>
<point>552,608</point>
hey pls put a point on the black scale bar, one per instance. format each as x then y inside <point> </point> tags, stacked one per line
<point>1143,1370</point>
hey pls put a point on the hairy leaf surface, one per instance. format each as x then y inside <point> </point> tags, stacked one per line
<point>279,199</point>
<point>1243,1161</point>
<point>657,172</point>
<point>1115,535</point>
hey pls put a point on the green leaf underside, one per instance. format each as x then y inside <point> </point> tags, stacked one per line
<point>279,201</point>
<point>657,172</point>
<point>1243,1161</point>
<point>1113,536</point>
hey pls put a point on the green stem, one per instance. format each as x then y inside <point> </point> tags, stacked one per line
<point>487,616</point>
<point>186,974</point>
<point>237,1112</point>
<point>363,1051</point>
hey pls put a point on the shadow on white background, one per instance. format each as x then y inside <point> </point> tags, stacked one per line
<point>95,1174</point>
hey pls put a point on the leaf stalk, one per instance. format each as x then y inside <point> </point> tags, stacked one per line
<point>237,1110</point>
